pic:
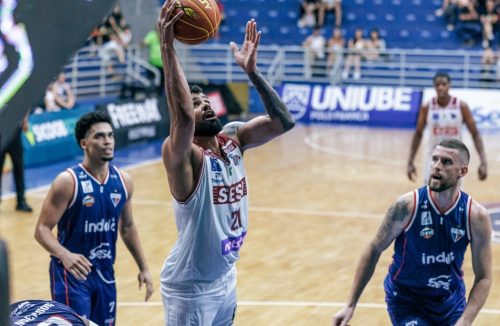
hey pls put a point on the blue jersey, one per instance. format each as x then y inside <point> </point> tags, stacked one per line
<point>38,312</point>
<point>429,254</point>
<point>89,224</point>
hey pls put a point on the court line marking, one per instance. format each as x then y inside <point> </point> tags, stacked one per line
<point>33,192</point>
<point>312,141</point>
<point>348,214</point>
<point>486,311</point>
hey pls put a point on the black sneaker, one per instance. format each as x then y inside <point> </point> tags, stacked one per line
<point>23,206</point>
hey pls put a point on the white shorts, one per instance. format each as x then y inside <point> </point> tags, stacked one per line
<point>202,304</point>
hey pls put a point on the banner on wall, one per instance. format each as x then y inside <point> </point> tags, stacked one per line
<point>483,103</point>
<point>135,121</point>
<point>395,107</point>
<point>51,136</point>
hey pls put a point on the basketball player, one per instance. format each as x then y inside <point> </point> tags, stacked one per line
<point>90,203</point>
<point>207,179</point>
<point>444,116</point>
<point>432,227</point>
<point>45,313</point>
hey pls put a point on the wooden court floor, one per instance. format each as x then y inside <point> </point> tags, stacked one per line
<point>317,196</point>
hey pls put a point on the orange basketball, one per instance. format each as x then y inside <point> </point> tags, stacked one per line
<point>199,23</point>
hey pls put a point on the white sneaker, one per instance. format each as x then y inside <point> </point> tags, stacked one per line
<point>439,12</point>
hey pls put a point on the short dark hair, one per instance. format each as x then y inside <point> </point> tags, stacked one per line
<point>195,89</point>
<point>88,120</point>
<point>440,74</point>
<point>459,146</point>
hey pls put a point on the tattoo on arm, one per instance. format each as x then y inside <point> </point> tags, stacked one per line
<point>272,102</point>
<point>396,214</point>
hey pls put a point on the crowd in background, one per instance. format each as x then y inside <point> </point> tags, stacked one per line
<point>339,56</point>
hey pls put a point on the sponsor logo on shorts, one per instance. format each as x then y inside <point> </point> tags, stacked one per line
<point>232,243</point>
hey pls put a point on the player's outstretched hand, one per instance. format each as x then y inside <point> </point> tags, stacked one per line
<point>144,277</point>
<point>411,171</point>
<point>342,317</point>
<point>78,265</point>
<point>166,22</point>
<point>246,57</point>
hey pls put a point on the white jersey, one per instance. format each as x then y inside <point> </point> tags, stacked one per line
<point>442,123</point>
<point>212,222</point>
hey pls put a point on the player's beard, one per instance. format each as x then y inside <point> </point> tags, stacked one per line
<point>207,128</point>
<point>107,158</point>
<point>441,186</point>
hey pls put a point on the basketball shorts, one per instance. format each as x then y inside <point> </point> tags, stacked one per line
<point>94,299</point>
<point>199,303</point>
<point>407,308</point>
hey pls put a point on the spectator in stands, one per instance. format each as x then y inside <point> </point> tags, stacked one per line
<point>152,41</point>
<point>488,20</point>
<point>468,27</point>
<point>449,11</point>
<point>330,6</point>
<point>64,96</point>
<point>309,13</point>
<point>115,20</point>
<point>488,66</point>
<point>50,99</point>
<point>15,150</point>
<point>335,50</point>
<point>356,47</point>
<point>375,46</point>
<point>314,51</point>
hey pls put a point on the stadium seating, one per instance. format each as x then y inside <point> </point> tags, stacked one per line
<point>403,23</point>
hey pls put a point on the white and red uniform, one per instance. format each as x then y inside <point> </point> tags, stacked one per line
<point>442,123</point>
<point>198,279</point>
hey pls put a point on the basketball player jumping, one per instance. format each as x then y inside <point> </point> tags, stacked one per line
<point>207,179</point>
<point>444,116</point>
<point>432,228</point>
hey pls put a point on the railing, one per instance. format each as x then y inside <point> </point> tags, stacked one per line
<point>406,68</point>
<point>92,78</point>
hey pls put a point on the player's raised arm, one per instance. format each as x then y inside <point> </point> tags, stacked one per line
<point>394,223</point>
<point>177,148</point>
<point>278,120</point>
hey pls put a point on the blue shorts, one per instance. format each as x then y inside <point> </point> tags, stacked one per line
<point>407,308</point>
<point>94,299</point>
